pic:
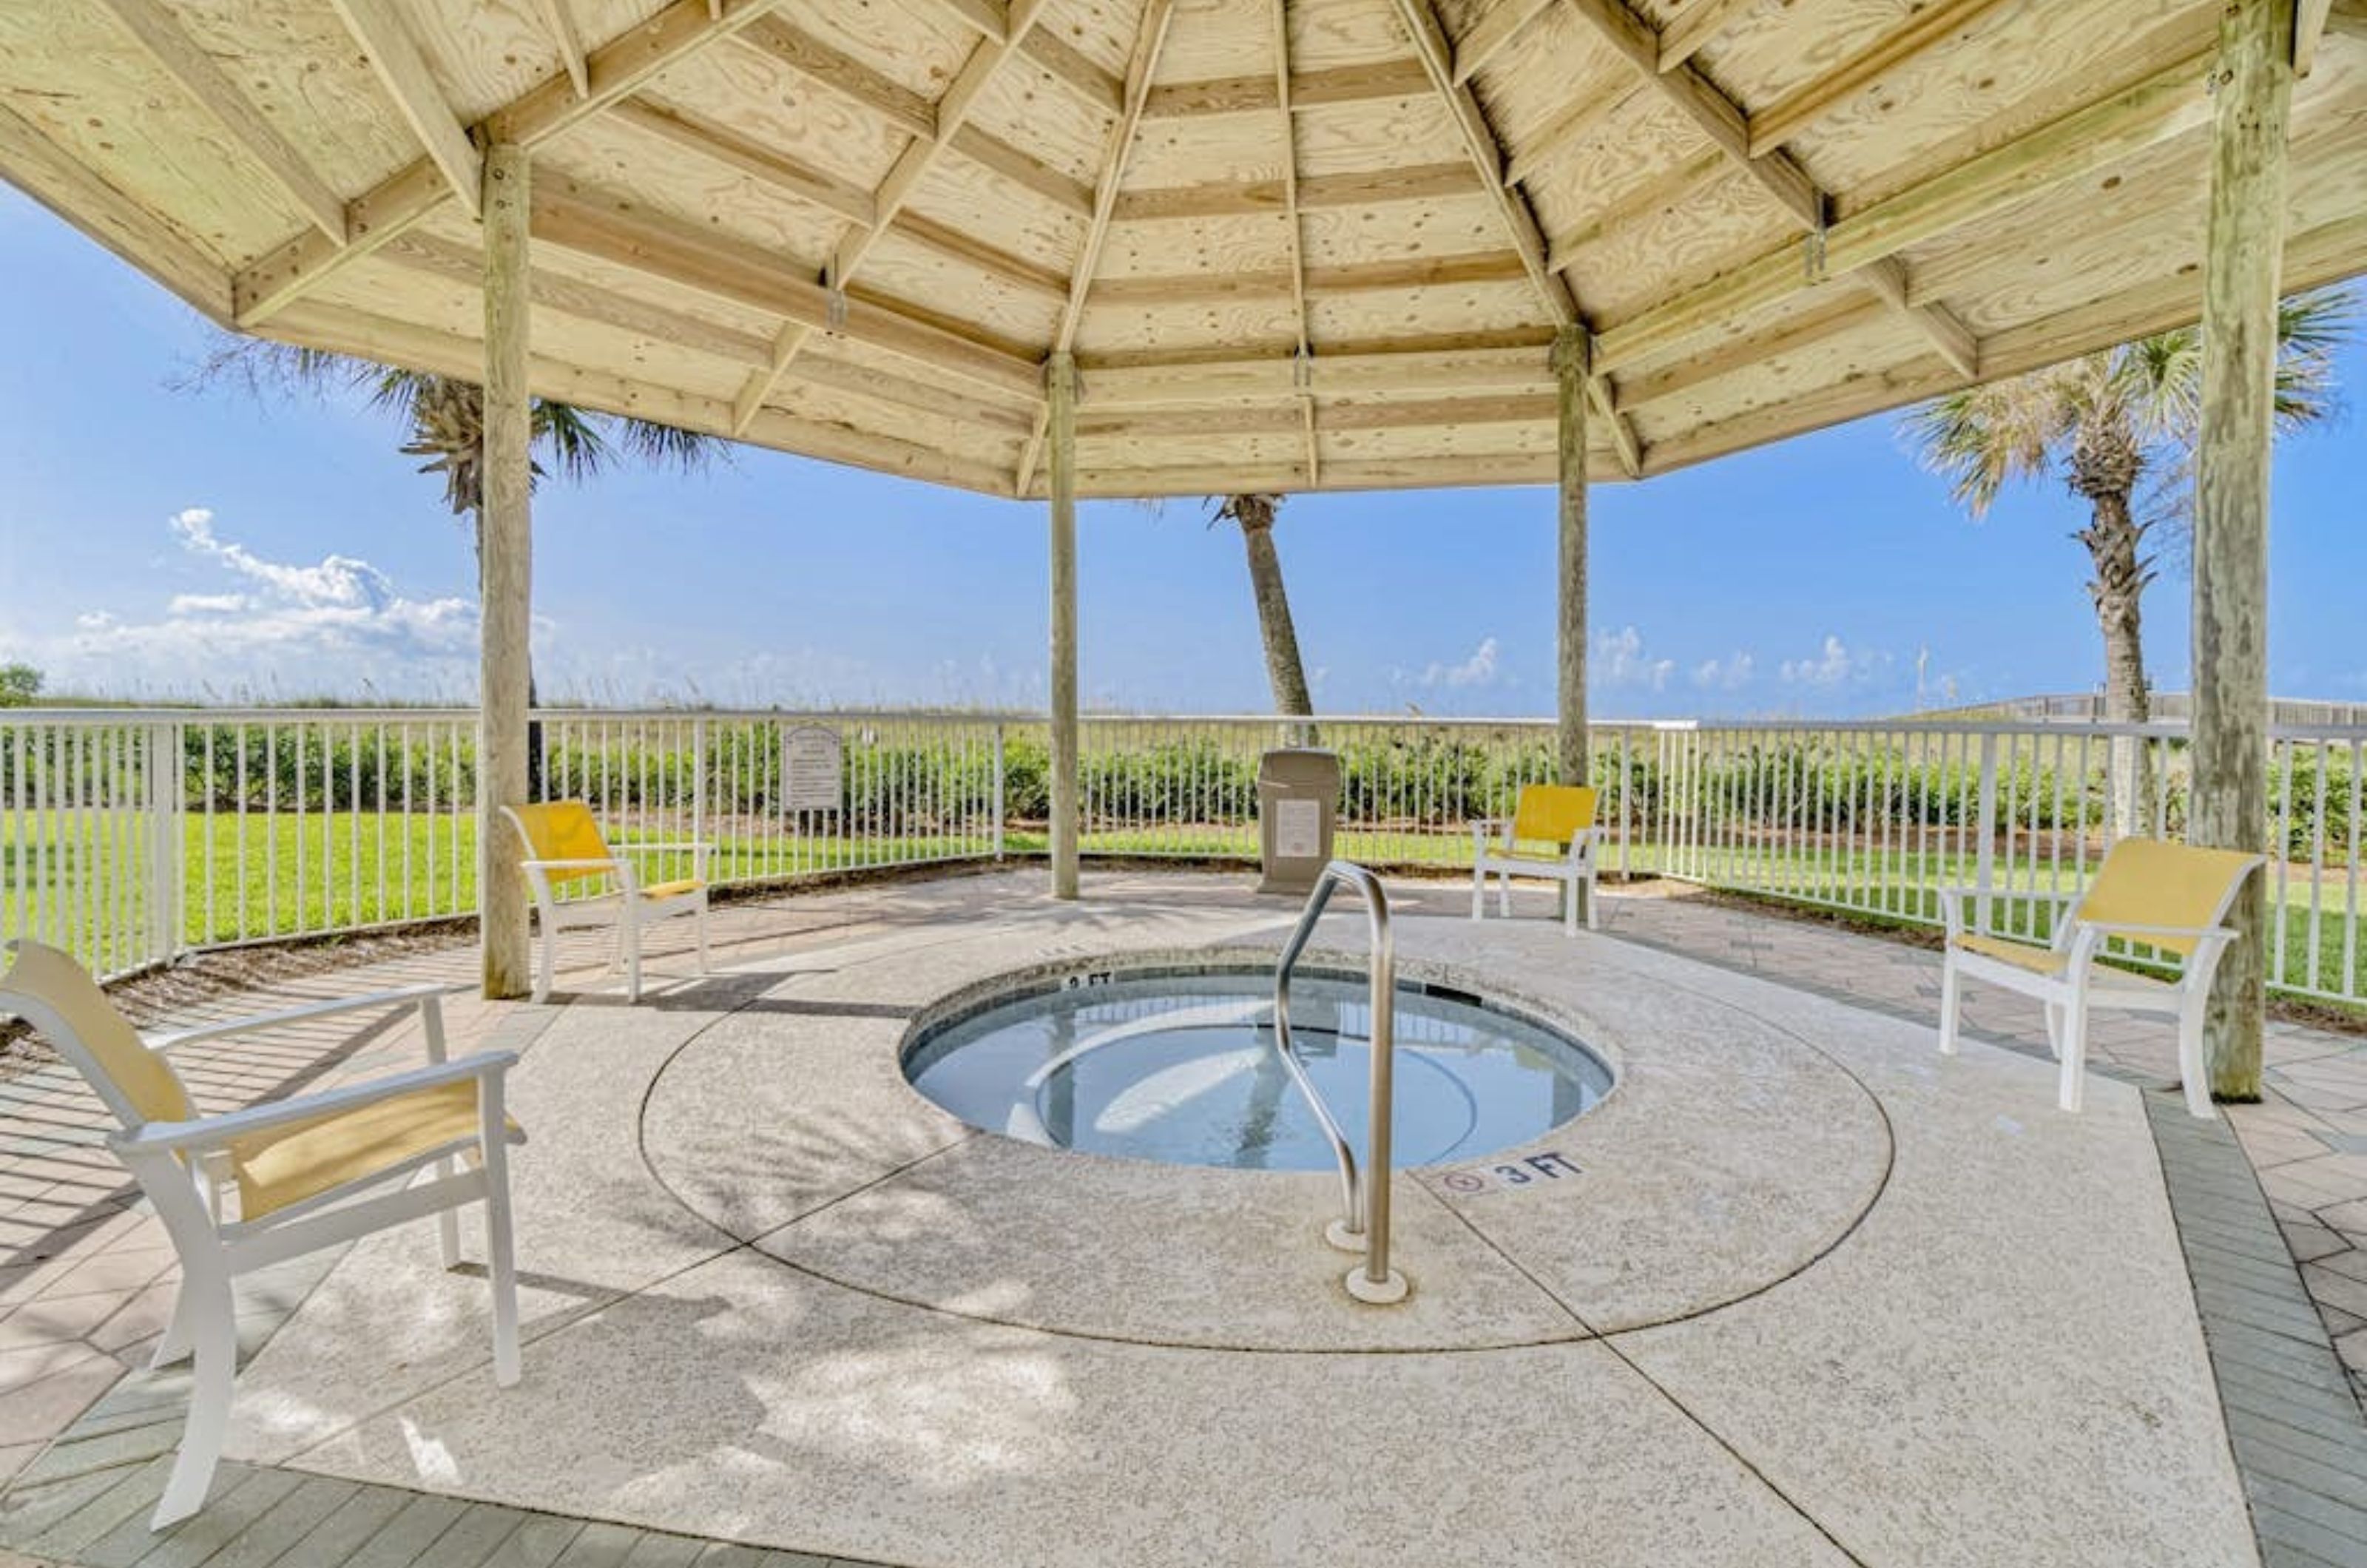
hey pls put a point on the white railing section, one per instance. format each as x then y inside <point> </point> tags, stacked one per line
<point>130,836</point>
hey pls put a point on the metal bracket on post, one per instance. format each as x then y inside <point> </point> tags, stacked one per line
<point>834,309</point>
<point>1812,248</point>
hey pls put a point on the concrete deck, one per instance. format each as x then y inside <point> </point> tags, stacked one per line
<point>1818,1296</point>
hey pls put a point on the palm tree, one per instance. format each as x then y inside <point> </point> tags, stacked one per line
<point>2119,427</point>
<point>446,420</point>
<point>1284,670</point>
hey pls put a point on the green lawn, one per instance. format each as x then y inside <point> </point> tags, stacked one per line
<point>259,877</point>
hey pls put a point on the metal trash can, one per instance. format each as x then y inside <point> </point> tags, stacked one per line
<point>1299,795</point>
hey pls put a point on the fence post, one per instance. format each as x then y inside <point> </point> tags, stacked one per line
<point>1984,850</point>
<point>998,792</point>
<point>164,842</point>
<point>698,783</point>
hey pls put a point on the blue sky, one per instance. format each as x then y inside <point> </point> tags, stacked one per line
<point>167,543</point>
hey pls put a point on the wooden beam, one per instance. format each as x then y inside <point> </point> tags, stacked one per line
<point>1700,22</point>
<point>1568,129</point>
<point>2348,18</point>
<point>1570,374</point>
<point>1278,17</point>
<point>1341,278</point>
<point>900,106</point>
<point>389,208</point>
<point>1060,388</point>
<point>2243,247</point>
<point>39,168</point>
<point>1520,224</point>
<point>1811,100</point>
<point>748,275</point>
<point>1887,278</point>
<point>1497,26</point>
<point>1243,198</point>
<point>1142,63</point>
<point>1716,115</point>
<point>2123,123</point>
<point>1067,63</point>
<point>403,71</point>
<point>948,127</point>
<point>568,42</point>
<point>1024,169</point>
<point>1375,83</point>
<point>1343,371</point>
<point>1641,201</point>
<point>1721,120</point>
<point>199,76</point>
<point>1843,312</point>
<point>704,139</point>
<point>985,18</point>
<point>505,570</point>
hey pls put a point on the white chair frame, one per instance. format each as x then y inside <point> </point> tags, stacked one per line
<point>182,1168</point>
<point>2082,983</point>
<point>627,910</point>
<point>1491,849</point>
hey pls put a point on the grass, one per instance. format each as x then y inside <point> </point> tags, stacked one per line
<point>258,876</point>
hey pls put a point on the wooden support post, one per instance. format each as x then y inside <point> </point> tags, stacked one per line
<point>2244,243</point>
<point>1571,363</point>
<point>1062,399</point>
<point>505,548</point>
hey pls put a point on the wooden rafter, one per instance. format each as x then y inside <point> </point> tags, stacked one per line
<point>1279,15</point>
<point>393,206</point>
<point>199,76</point>
<point>403,71</point>
<point>2124,122</point>
<point>1699,23</point>
<point>1338,278</point>
<point>1252,198</point>
<point>1142,63</point>
<point>35,164</point>
<point>1721,120</point>
<point>950,115</point>
<point>1497,26</point>
<point>1566,130</point>
<point>1375,83</point>
<point>985,18</point>
<point>746,274</point>
<point>1487,154</point>
<point>1787,116</point>
<point>564,37</point>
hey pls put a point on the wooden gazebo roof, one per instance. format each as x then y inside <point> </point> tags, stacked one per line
<point>1293,243</point>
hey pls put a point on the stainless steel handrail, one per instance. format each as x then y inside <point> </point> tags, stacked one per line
<point>1365,1226</point>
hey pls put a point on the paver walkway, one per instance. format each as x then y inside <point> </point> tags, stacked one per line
<point>85,1278</point>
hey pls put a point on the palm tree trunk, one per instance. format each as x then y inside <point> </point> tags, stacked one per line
<point>1284,670</point>
<point>2114,540</point>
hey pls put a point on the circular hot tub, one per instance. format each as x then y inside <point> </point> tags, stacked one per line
<point>1180,1066</point>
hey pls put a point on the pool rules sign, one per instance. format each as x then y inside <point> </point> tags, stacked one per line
<point>813,769</point>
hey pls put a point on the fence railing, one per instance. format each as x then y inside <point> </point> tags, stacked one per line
<point>131,837</point>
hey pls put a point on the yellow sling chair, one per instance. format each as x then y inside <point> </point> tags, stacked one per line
<point>1561,816</point>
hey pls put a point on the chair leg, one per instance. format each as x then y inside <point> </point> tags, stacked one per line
<point>1569,907</point>
<point>2075,1055</point>
<point>1478,892</point>
<point>213,1330</point>
<point>448,1223</point>
<point>629,937</point>
<point>705,963</point>
<point>1593,905</point>
<point>174,1344</point>
<point>1504,894</point>
<point>500,1260</point>
<point>2054,1029</point>
<point>1951,996</point>
<point>544,962</point>
<point>2192,1070</point>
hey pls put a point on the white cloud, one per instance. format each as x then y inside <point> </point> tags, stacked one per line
<point>1620,659</point>
<point>1833,666</point>
<point>207,603</point>
<point>1728,674</point>
<point>338,625</point>
<point>1479,670</point>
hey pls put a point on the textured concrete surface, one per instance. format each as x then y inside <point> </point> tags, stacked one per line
<point>1975,1344</point>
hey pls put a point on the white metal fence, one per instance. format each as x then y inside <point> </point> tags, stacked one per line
<point>131,837</point>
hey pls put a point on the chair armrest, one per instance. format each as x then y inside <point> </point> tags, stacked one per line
<point>213,1132</point>
<point>2127,927</point>
<point>404,996</point>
